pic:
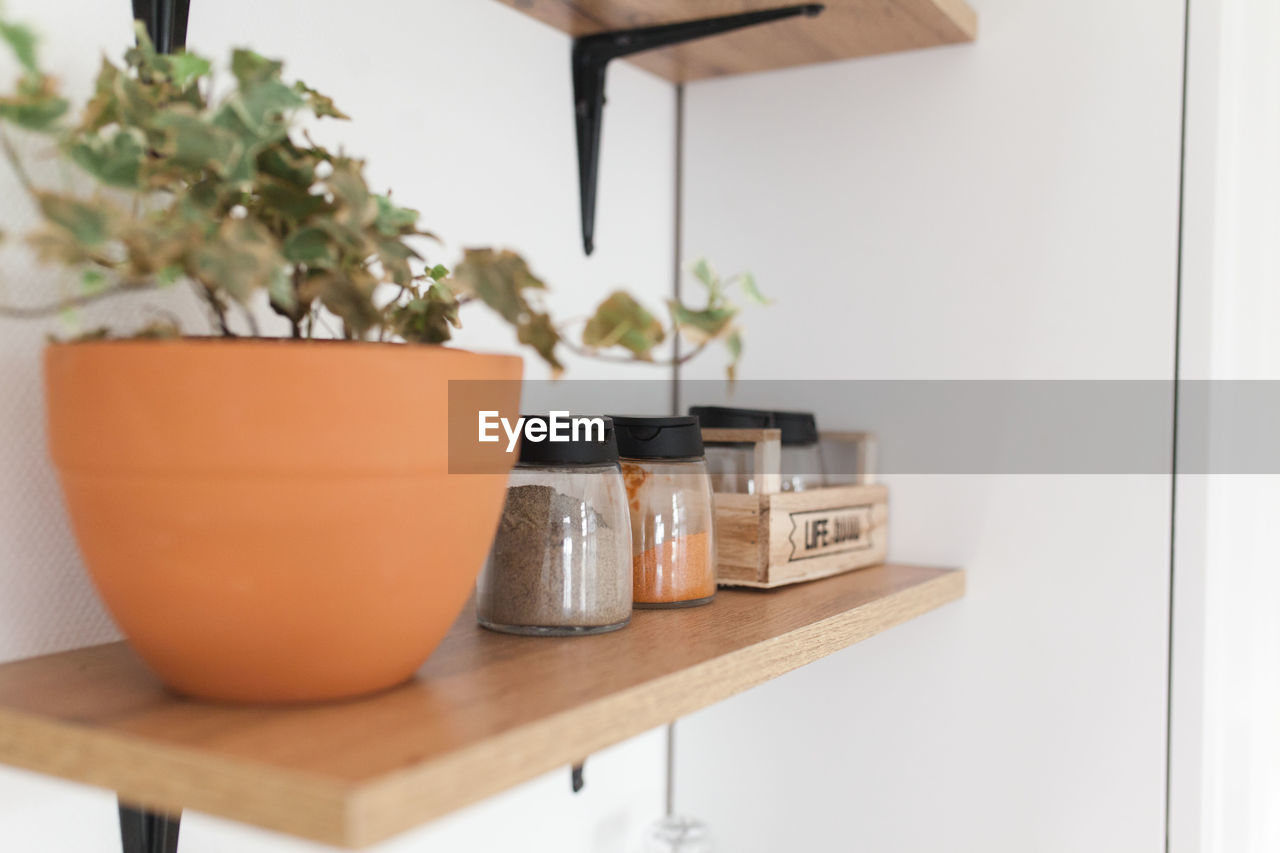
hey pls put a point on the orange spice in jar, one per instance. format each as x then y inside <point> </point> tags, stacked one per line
<point>669,498</point>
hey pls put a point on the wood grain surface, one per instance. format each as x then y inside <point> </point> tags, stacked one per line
<point>848,28</point>
<point>756,535</point>
<point>486,712</point>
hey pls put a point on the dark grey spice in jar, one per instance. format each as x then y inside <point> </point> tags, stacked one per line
<point>558,566</point>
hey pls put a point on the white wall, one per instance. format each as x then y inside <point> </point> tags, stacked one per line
<point>1226,746</point>
<point>1001,210</point>
<point>464,108</point>
<point>1006,209</point>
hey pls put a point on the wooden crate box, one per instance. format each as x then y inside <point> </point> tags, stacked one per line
<point>774,538</point>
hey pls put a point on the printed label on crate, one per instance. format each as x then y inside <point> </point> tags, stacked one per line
<point>830,531</point>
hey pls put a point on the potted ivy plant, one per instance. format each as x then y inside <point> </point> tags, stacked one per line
<point>269,519</point>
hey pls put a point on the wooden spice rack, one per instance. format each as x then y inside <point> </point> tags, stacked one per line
<point>486,712</point>
<point>774,538</point>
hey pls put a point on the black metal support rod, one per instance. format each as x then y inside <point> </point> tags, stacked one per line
<point>591,57</point>
<point>618,43</point>
<point>181,14</point>
<point>166,22</point>
<point>148,832</point>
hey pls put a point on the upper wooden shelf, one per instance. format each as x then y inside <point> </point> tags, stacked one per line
<point>847,28</point>
<point>487,711</point>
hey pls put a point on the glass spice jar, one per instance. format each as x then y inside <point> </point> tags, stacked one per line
<point>672,522</point>
<point>802,467</point>
<point>561,559</point>
<point>731,465</point>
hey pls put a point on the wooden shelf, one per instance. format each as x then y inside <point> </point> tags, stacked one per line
<point>847,28</point>
<point>488,711</point>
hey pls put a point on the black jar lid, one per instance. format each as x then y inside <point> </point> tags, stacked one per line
<point>585,451</point>
<point>726,417</point>
<point>672,437</point>
<point>797,427</point>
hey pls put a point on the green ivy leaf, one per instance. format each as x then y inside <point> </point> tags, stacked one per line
<point>22,41</point>
<point>262,100</point>
<point>498,279</point>
<point>191,143</point>
<point>289,164</point>
<point>622,321</point>
<point>310,246</point>
<point>392,221</point>
<point>257,114</point>
<point>88,223</point>
<point>702,272</point>
<point>143,53</point>
<point>242,258</point>
<point>394,256</point>
<point>53,244</point>
<point>168,275</point>
<point>115,161</point>
<point>35,105</point>
<point>347,240</point>
<point>753,292</point>
<point>37,113</point>
<point>92,280</point>
<point>321,105</point>
<point>420,321</point>
<point>539,332</point>
<point>186,68</point>
<point>438,272</point>
<point>249,67</point>
<point>290,202</point>
<point>136,103</point>
<point>430,318</point>
<point>265,105</point>
<point>733,343</point>
<point>350,297</point>
<point>702,326</point>
<point>250,140</point>
<point>356,205</point>
<point>103,108</point>
<point>441,294</point>
<point>280,290</point>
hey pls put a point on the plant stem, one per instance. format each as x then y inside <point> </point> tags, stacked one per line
<point>294,319</point>
<point>218,309</point>
<point>20,312</point>
<point>252,320</point>
<point>11,154</point>
<point>622,359</point>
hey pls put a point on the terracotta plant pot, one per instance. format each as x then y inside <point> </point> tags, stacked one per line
<point>273,521</point>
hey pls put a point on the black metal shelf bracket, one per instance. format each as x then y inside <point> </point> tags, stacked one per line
<point>147,832</point>
<point>591,57</point>
<point>166,22</point>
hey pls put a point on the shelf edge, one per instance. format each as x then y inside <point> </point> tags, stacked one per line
<point>393,804</point>
<point>170,779</point>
